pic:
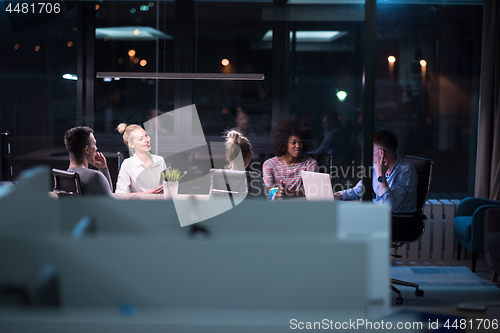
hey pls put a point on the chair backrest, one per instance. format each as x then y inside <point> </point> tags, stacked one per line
<point>121,156</point>
<point>423,166</point>
<point>66,182</point>
<point>324,163</point>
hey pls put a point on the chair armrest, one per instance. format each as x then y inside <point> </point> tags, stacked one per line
<point>407,215</point>
<point>492,220</point>
<point>477,224</point>
<point>469,205</point>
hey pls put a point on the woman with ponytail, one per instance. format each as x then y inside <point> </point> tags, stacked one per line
<point>239,155</point>
<point>238,150</point>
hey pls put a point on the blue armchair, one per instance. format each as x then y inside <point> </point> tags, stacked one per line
<point>469,225</point>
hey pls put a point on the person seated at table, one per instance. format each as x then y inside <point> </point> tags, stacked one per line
<point>81,145</point>
<point>239,155</point>
<point>394,179</point>
<point>238,150</point>
<point>243,123</point>
<point>288,138</point>
<point>141,172</point>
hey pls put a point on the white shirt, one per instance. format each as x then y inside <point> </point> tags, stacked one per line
<point>135,176</point>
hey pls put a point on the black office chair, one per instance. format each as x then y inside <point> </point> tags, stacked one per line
<point>325,162</point>
<point>66,183</point>
<point>409,227</point>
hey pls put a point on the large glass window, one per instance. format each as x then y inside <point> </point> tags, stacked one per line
<point>326,68</point>
<point>133,37</point>
<point>428,93</point>
<point>233,38</point>
<point>38,61</point>
<point>427,82</point>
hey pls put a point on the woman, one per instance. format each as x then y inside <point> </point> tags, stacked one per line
<point>141,172</point>
<point>239,155</point>
<point>236,143</point>
<point>287,140</point>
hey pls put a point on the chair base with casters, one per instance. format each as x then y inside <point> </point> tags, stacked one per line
<point>406,228</point>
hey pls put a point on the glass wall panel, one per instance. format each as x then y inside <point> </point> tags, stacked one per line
<point>38,94</point>
<point>130,38</point>
<point>233,37</point>
<point>431,106</point>
<point>326,68</point>
<point>429,96</point>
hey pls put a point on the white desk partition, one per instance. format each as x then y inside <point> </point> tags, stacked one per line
<point>370,222</point>
<point>260,265</point>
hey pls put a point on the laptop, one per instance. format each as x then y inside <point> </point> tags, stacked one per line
<point>239,183</point>
<point>317,186</point>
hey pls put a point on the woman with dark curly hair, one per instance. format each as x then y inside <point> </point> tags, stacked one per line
<point>288,139</point>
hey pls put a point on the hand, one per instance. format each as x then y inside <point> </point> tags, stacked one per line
<point>279,193</point>
<point>100,161</point>
<point>337,196</point>
<point>381,167</point>
<point>156,190</point>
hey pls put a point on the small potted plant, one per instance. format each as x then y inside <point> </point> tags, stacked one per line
<point>171,182</point>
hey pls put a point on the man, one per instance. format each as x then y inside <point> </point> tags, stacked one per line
<point>394,179</point>
<point>243,123</point>
<point>81,145</point>
<point>336,140</point>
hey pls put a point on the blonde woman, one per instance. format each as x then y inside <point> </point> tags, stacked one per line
<point>239,155</point>
<point>141,172</point>
<point>237,144</point>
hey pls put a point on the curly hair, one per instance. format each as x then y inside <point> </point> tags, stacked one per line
<point>76,139</point>
<point>284,129</point>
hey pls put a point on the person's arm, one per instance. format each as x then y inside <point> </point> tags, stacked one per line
<point>403,185</point>
<point>353,193</point>
<point>105,172</point>
<point>102,165</point>
<point>100,185</point>
<point>268,175</point>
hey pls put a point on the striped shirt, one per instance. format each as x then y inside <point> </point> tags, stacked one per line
<point>274,171</point>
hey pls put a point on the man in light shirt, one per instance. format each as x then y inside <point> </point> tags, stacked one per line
<point>394,179</point>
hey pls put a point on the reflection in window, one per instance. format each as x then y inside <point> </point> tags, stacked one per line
<point>427,83</point>
<point>230,39</point>
<point>429,94</point>
<point>38,65</point>
<point>126,41</point>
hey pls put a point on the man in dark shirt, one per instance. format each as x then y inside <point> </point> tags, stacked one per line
<point>82,148</point>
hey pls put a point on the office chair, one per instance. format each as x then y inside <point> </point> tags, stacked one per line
<point>66,183</point>
<point>121,156</point>
<point>492,241</point>
<point>468,225</point>
<point>409,227</point>
<point>325,162</point>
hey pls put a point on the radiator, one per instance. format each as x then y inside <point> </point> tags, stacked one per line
<point>437,242</point>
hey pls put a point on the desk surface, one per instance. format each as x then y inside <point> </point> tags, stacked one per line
<point>141,196</point>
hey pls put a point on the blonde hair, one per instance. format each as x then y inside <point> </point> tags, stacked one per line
<point>126,130</point>
<point>236,142</point>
